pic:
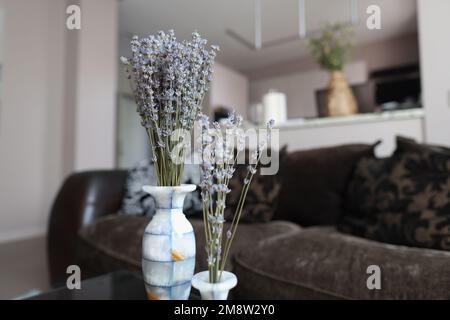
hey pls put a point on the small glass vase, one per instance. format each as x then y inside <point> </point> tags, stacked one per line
<point>214,291</point>
<point>168,246</point>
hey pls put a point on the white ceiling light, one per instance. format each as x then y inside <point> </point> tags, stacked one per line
<point>301,32</point>
<point>354,12</point>
<point>301,19</point>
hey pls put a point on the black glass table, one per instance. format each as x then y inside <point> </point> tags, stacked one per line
<point>119,285</point>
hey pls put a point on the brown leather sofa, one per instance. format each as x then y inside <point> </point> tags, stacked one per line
<point>83,198</point>
<point>85,229</point>
<point>300,255</point>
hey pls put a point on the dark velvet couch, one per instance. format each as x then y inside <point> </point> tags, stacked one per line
<point>297,255</point>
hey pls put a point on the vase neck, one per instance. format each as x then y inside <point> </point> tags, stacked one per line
<point>169,197</point>
<point>337,74</point>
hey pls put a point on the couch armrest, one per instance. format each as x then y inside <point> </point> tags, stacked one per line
<point>83,197</point>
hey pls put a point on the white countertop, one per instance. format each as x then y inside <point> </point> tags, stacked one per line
<point>353,119</point>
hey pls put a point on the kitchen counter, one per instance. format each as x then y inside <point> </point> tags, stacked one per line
<point>353,119</point>
<point>300,134</point>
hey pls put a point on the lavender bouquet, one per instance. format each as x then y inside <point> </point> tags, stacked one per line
<point>169,80</point>
<point>221,145</point>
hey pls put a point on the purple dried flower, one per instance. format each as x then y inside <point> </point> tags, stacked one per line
<point>251,169</point>
<point>219,157</point>
<point>169,79</point>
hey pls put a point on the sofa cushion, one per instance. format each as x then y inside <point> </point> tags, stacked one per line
<point>263,194</point>
<point>361,202</point>
<point>111,243</point>
<point>247,236</point>
<point>114,242</point>
<point>408,145</point>
<point>404,200</point>
<point>322,263</point>
<point>314,183</point>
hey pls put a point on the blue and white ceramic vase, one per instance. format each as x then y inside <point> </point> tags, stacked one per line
<point>168,246</point>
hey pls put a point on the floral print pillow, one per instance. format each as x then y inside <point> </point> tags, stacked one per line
<point>402,200</point>
<point>138,202</point>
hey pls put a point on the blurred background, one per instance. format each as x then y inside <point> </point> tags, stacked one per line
<point>66,105</point>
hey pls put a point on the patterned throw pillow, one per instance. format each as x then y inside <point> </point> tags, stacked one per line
<point>361,202</point>
<point>138,202</point>
<point>262,196</point>
<point>402,200</point>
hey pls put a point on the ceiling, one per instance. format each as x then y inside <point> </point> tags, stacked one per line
<point>279,20</point>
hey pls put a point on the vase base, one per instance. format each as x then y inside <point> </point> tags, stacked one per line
<point>177,292</point>
<point>152,296</point>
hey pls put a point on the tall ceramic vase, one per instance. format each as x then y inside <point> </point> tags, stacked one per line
<point>340,98</point>
<point>168,246</point>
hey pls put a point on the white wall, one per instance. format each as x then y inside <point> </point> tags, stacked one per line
<point>228,88</point>
<point>434,26</point>
<point>300,78</point>
<point>132,140</point>
<point>57,105</point>
<point>400,50</point>
<point>30,115</point>
<point>96,86</point>
<point>300,88</point>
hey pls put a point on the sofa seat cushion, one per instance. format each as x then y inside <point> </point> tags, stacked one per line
<point>114,242</point>
<point>322,263</point>
<point>111,243</point>
<point>248,235</point>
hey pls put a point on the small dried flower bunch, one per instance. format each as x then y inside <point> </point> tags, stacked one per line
<point>169,80</point>
<point>220,148</point>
